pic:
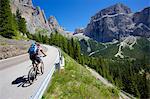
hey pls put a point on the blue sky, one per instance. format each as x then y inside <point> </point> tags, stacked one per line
<point>73,14</point>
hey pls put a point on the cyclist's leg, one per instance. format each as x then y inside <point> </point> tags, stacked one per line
<point>32,58</point>
<point>38,60</point>
<point>32,75</point>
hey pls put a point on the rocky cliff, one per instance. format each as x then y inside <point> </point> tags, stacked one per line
<point>54,25</point>
<point>78,31</point>
<point>142,23</point>
<point>34,16</point>
<point>118,21</point>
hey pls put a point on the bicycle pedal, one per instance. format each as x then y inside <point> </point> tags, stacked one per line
<point>38,73</point>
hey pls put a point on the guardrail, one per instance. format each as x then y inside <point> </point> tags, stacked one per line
<point>127,94</point>
<point>42,88</point>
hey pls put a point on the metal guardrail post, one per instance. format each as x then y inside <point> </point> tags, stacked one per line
<point>61,61</point>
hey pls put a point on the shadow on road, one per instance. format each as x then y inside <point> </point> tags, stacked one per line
<point>21,81</point>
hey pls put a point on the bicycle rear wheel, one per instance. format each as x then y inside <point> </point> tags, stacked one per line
<point>32,74</point>
<point>42,67</point>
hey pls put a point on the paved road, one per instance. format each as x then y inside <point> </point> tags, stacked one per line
<point>13,74</point>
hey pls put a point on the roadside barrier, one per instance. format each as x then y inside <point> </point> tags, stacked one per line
<point>59,62</point>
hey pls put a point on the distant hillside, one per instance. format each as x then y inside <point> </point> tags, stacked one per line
<point>109,50</point>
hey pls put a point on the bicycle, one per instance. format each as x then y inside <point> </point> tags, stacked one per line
<point>33,72</point>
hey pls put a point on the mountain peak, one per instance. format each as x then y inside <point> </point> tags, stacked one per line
<point>121,8</point>
<point>114,9</point>
<point>54,25</point>
<point>52,20</point>
<point>119,4</point>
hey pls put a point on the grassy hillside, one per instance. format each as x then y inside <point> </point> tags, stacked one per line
<point>76,82</point>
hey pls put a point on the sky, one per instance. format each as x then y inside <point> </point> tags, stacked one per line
<point>72,14</point>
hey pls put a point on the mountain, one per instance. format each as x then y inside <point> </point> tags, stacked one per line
<point>54,25</point>
<point>118,21</point>
<point>78,31</point>
<point>34,16</point>
<point>142,23</point>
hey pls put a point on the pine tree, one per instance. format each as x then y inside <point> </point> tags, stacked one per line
<point>77,52</point>
<point>55,39</point>
<point>73,48</point>
<point>70,49</point>
<point>46,39</point>
<point>61,42</point>
<point>30,36</point>
<point>21,23</point>
<point>51,40</point>
<point>15,24</point>
<point>64,41</point>
<point>6,20</point>
<point>39,37</point>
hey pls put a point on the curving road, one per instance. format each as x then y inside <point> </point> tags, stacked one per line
<point>13,75</point>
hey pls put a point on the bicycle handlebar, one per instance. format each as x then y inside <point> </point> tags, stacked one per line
<point>43,56</point>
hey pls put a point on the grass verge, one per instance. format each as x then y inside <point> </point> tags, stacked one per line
<point>76,82</point>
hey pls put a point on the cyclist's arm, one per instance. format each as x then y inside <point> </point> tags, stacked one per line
<point>43,52</point>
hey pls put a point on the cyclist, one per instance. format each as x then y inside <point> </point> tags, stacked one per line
<point>32,53</point>
<point>35,54</point>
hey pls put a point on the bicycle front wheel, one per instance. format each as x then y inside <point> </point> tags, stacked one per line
<point>32,75</point>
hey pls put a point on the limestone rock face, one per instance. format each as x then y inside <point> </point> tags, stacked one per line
<point>142,17</point>
<point>142,23</point>
<point>54,25</point>
<point>118,21</point>
<point>34,16</point>
<point>79,30</point>
<point>112,10</point>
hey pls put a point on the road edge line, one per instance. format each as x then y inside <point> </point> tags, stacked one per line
<point>39,93</point>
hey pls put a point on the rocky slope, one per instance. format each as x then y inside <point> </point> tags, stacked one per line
<point>34,16</point>
<point>54,25</point>
<point>11,48</point>
<point>118,21</point>
<point>78,31</point>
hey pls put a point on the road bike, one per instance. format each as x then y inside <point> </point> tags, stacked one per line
<point>33,72</point>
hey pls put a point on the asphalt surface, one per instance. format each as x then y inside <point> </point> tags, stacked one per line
<point>13,75</point>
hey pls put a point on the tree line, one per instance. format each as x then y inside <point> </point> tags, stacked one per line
<point>128,75</point>
<point>71,46</point>
<point>11,25</point>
